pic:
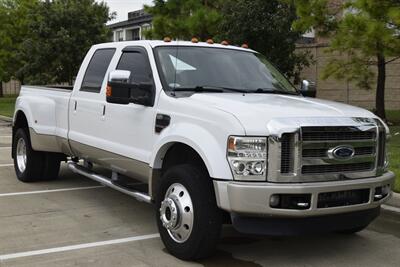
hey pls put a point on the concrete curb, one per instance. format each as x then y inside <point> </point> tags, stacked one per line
<point>394,201</point>
<point>6,119</point>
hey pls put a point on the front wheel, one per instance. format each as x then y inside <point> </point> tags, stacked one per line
<point>188,218</point>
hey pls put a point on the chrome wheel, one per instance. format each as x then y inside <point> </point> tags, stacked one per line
<point>21,155</point>
<point>176,213</point>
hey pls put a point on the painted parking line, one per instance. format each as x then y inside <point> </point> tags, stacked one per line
<point>51,191</point>
<point>391,208</point>
<point>77,247</point>
<point>5,136</point>
<point>5,148</point>
<point>6,165</point>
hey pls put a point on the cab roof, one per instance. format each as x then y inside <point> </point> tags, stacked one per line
<point>158,43</point>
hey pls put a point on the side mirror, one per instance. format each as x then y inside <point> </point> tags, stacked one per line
<point>120,91</point>
<point>308,89</point>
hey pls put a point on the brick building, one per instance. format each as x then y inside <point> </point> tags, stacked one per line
<point>341,90</point>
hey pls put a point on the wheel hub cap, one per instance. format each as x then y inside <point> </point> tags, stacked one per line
<point>169,213</point>
<point>176,213</point>
<point>21,155</point>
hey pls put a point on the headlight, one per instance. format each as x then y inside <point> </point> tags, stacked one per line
<point>247,158</point>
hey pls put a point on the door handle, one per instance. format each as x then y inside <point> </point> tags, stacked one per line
<point>104,110</point>
<point>76,105</point>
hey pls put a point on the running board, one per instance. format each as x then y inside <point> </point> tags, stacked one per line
<point>107,182</point>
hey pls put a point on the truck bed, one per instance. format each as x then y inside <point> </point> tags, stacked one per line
<point>48,109</point>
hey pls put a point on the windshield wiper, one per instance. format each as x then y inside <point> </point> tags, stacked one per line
<point>273,91</point>
<point>207,88</point>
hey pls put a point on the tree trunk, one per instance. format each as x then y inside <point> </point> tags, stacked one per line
<point>1,89</point>
<point>380,88</point>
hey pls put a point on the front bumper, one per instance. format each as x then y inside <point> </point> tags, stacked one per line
<point>253,199</point>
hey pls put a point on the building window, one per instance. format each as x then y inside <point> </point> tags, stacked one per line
<point>133,34</point>
<point>136,34</point>
<point>119,36</point>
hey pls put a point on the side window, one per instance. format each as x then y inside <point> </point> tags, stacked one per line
<point>96,70</point>
<point>138,64</point>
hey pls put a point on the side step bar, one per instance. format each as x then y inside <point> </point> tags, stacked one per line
<point>107,182</point>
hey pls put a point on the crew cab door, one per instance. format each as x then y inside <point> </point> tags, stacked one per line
<point>130,127</point>
<point>87,104</point>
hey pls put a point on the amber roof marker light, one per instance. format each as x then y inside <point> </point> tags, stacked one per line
<point>225,42</point>
<point>195,40</point>
<point>246,46</point>
<point>167,39</point>
<point>210,41</point>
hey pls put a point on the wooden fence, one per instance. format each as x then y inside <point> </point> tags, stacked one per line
<point>11,88</point>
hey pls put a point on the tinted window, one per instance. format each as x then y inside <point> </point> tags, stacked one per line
<point>138,64</point>
<point>96,70</point>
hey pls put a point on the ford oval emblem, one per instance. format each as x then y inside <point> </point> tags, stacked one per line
<point>341,152</point>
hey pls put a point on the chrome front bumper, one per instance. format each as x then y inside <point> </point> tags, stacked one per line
<point>253,199</point>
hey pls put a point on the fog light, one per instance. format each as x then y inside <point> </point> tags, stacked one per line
<point>381,192</point>
<point>274,201</point>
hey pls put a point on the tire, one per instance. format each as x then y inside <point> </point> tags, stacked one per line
<point>194,238</point>
<point>352,231</point>
<point>30,165</point>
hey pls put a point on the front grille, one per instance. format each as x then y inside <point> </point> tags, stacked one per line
<point>319,154</point>
<point>337,168</point>
<point>319,144</point>
<point>323,152</point>
<point>335,134</point>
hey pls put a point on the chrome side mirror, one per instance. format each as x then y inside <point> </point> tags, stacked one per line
<point>308,89</point>
<point>119,76</point>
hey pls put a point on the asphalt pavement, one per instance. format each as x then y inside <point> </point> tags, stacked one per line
<point>74,221</point>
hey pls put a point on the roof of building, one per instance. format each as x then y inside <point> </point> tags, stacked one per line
<point>135,18</point>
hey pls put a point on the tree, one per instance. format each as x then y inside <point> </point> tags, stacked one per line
<point>366,31</point>
<point>14,24</point>
<point>267,27</point>
<point>60,34</point>
<point>184,19</point>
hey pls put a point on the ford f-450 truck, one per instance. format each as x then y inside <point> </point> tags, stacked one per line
<point>216,134</point>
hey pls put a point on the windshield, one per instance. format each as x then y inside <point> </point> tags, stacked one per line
<point>191,68</point>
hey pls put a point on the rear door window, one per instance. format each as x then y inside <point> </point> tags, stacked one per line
<point>96,70</point>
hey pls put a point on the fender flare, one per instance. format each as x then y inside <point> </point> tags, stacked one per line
<point>201,141</point>
<point>48,125</point>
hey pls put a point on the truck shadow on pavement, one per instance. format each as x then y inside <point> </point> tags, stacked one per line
<point>237,250</point>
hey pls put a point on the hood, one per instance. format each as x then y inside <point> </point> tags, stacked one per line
<point>255,111</point>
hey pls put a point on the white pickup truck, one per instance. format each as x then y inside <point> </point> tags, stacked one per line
<point>216,134</point>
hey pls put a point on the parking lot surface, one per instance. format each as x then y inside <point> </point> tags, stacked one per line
<point>74,221</point>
